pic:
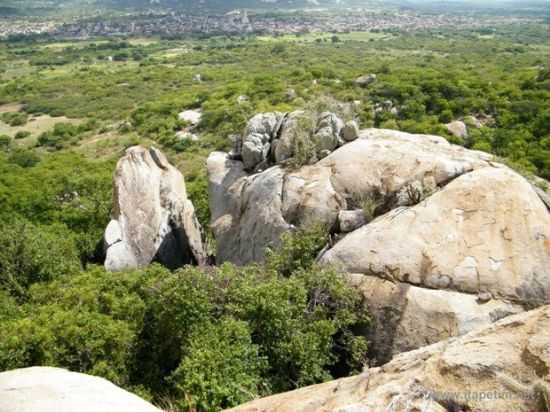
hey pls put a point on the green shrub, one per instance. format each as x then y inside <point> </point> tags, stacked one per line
<point>14,118</point>
<point>31,253</point>
<point>220,367</point>
<point>22,134</point>
<point>5,142</point>
<point>23,158</point>
<point>298,250</point>
<point>81,341</point>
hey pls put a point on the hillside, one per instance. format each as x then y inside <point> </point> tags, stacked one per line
<point>213,217</point>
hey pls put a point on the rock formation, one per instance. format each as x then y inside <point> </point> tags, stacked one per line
<point>500,368</point>
<point>42,389</point>
<point>152,217</point>
<point>457,129</point>
<point>271,138</point>
<point>450,239</point>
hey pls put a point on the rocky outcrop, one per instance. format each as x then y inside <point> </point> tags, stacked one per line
<point>500,368</point>
<point>449,238</point>
<point>350,132</point>
<point>486,231</point>
<point>406,317</point>
<point>152,217</point>
<point>272,138</point>
<point>42,389</point>
<point>380,164</point>
<point>261,130</point>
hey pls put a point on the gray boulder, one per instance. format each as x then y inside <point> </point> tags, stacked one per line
<point>152,217</point>
<point>350,132</point>
<point>327,137</point>
<point>258,136</point>
<point>43,389</point>
<point>365,81</point>
<point>458,129</point>
<point>350,220</point>
<point>378,163</point>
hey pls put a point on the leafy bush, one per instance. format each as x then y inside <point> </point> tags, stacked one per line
<point>22,134</point>
<point>31,253</point>
<point>213,376</point>
<point>298,250</point>
<point>5,142</point>
<point>14,118</point>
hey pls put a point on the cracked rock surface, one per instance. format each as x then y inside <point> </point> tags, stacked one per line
<point>152,217</point>
<point>502,367</point>
<point>455,236</point>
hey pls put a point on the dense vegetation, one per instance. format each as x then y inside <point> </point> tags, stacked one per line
<point>200,339</point>
<point>216,337</point>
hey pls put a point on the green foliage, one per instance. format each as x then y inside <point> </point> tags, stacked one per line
<point>81,341</point>
<point>63,135</point>
<point>5,142</point>
<point>208,339</point>
<point>62,189</point>
<point>298,250</point>
<point>22,134</point>
<point>220,367</point>
<point>31,253</point>
<point>23,158</point>
<point>14,118</point>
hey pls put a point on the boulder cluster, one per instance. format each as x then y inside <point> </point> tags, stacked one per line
<point>273,138</point>
<point>449,247</point>
<point>441,239</point>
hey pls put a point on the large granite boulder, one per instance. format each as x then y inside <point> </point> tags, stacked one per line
<point>152,217</point>
<point>406,317</point>
<point>499,368</point>
<point>450,239</point>
<point>486,232</point>
<point>43,389</point>
<point>380,163</point>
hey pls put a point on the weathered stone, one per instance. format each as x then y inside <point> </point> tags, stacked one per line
<point>260,131</point>
<point>350,220</point>
<point>457,129</point>
<point>350,132</point>
<point>43,389</point>
<point>327,136</point>
<point>152,216</point>
<point>379,163</point>
<point>406,317</point>
<point>499,368</point>
<point>485,231</point>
